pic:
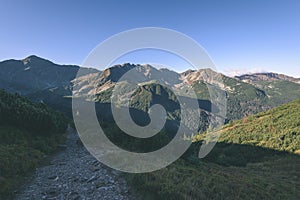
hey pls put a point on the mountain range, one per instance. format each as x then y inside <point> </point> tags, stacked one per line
<point>257,156</point>
<point>44,81</point>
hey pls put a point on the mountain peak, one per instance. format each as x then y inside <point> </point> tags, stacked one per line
<point>187,72</point>
<point>33,59</point>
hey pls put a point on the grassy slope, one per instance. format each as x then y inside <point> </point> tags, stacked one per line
<point>269,170</point>
<point>266,180</point>
<point>277,129</point>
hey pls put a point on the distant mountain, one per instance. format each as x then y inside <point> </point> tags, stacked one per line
<point>268,76</point>
<point>39,79</point>
<point>101,81</point>
<point>276,129</point>
<point>34,74</point>
<point>43,80</point>
<point>278,87</point>
<point>243,98</point>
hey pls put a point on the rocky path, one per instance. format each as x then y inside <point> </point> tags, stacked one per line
<point>75,174</point>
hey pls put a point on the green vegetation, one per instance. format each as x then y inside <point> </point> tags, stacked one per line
<point>278,179</point>
<point>146,96</point>
<point>130,143</point>
<point>243,99</point>
<point>256,158</point>
<point>277,129</point>
<point>28,131</point>
<point>280,91</point>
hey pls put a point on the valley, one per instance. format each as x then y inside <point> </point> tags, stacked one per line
<point>257,154</point>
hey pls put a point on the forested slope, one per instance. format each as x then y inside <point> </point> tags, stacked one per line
<point>28,131</point>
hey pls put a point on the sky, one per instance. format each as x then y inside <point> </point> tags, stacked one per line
<point>240,36</point>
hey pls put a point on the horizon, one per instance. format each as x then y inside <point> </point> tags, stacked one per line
<point>131,99</point>
<point>154,65</point>
<point>247,37</point>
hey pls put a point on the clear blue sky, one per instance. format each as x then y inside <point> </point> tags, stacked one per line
<point>238,35</point>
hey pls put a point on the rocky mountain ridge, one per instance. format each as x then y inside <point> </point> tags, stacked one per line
<point>42,80</point>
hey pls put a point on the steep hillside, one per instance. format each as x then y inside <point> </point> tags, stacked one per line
<point>279,88</point>
<point>38,78</point>
<point>28,131</point>
<point>243,98</point>
<point>280,91</point>
<point>255,158</point>
<point>44,81</point>
<point>277,129</point>
<point>34,74</point>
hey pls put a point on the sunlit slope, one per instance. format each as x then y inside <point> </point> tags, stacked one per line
<point>277,129</point>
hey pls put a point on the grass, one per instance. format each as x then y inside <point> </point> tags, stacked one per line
<point>20,153</point>
<point>182,180</point>
<point>256,158</point>
<point>277,129</point>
